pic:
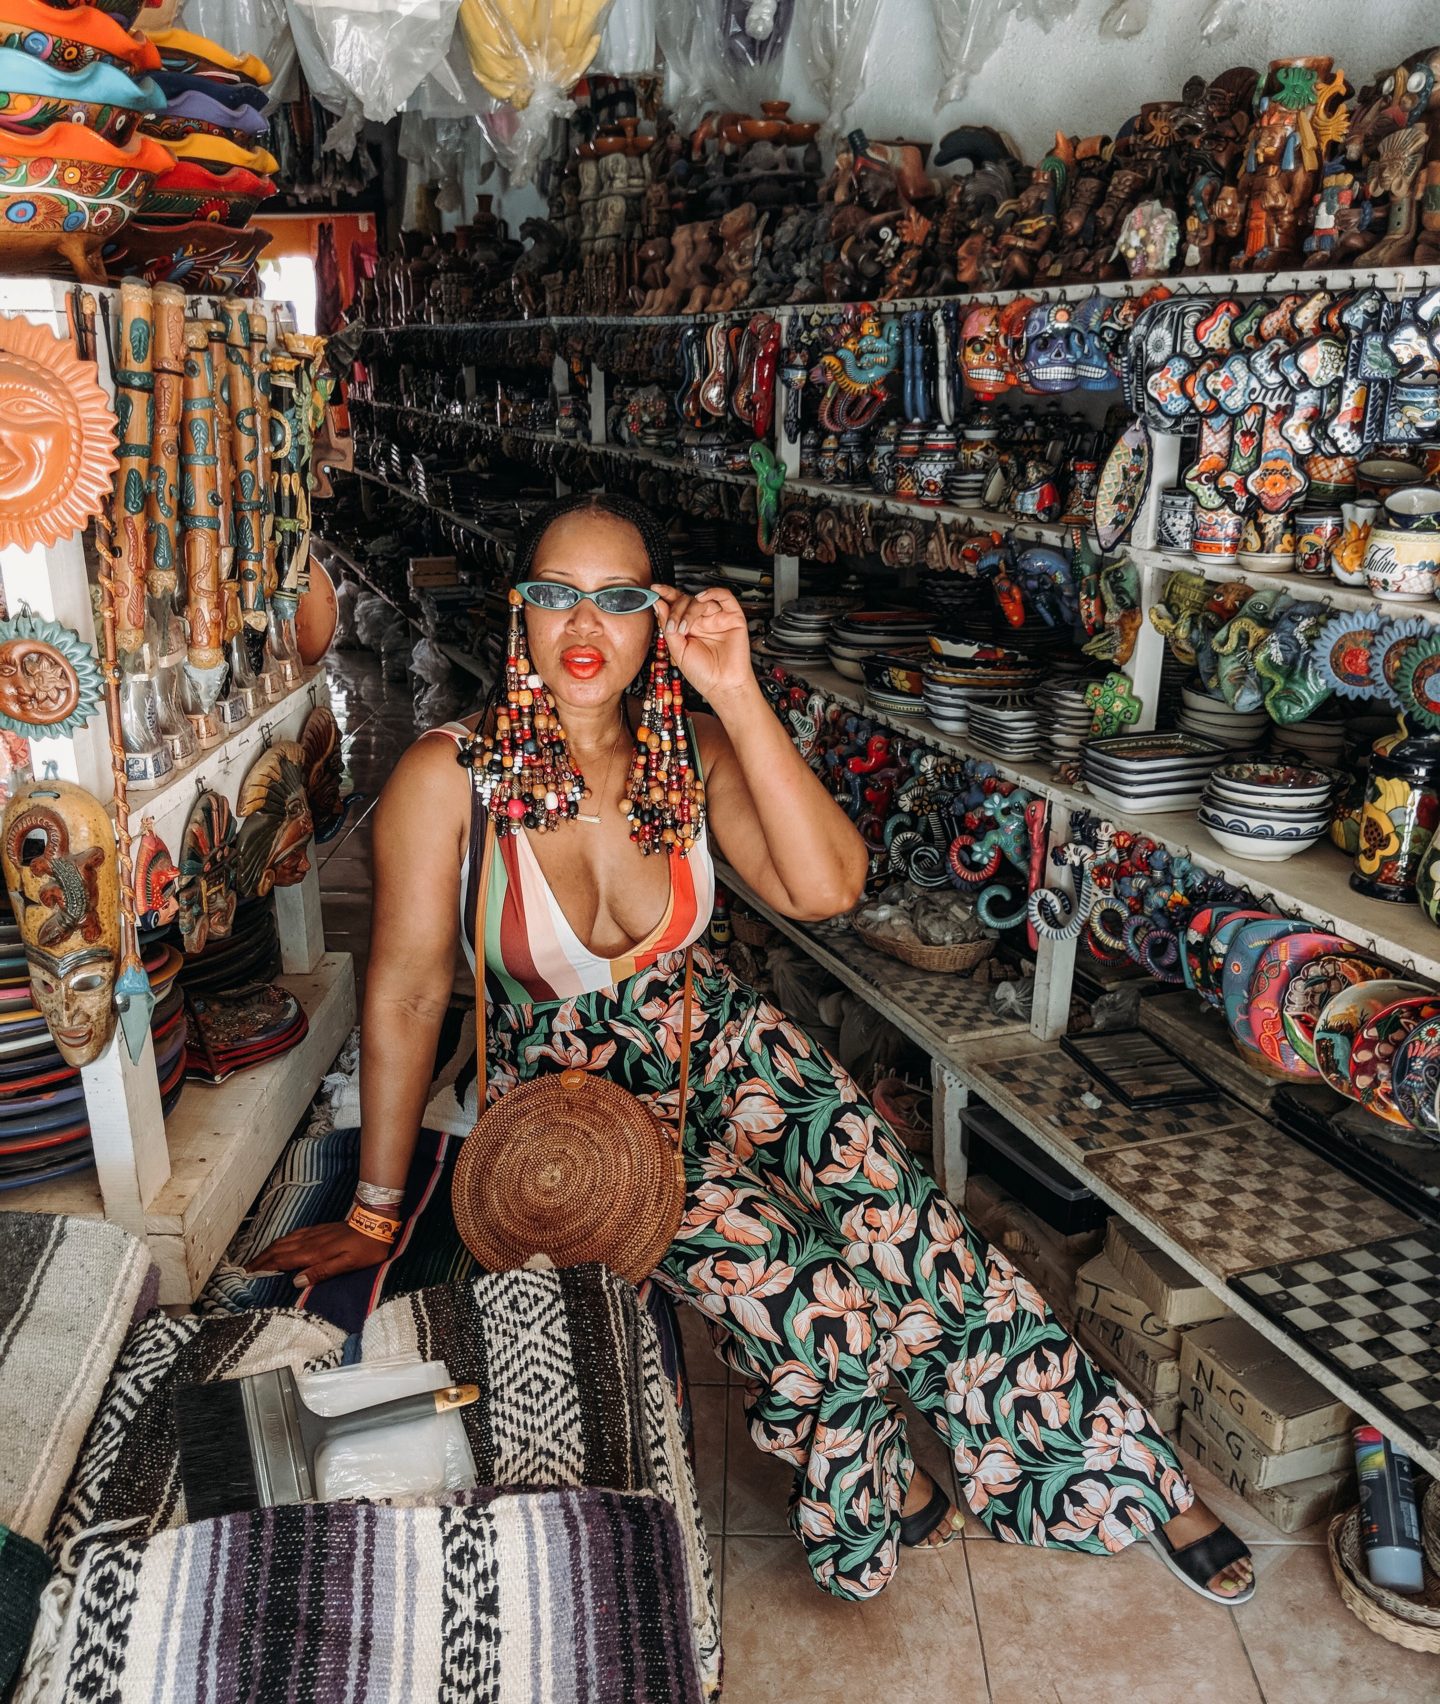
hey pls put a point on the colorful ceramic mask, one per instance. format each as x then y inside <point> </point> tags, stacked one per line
<point>156,874</point>
<point>58,850</point>
<point>206,890</point>
<point>1052,348</point>
<point>984,355</point>
<point>49,681</point>
<point>1094,369</point>
<point>58,433</point>
<point>276,825</point>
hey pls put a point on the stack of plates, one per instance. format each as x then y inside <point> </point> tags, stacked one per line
<point>962,674</point>
<point>1139,774</point>
<point>894,680</point>
<point>1065,718</point>
<point>798,634</point>
<point>1318,739</point>
<point>1006,730</point>
<point>862,632</point>
<point>225,1036</point>
<point>1213,719</point>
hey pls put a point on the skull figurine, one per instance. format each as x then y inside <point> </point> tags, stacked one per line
<point>984,355</point>
<point>1052,348</point>
<point>1094,368</point>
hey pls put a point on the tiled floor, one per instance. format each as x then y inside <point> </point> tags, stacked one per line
<point>979,1620</point>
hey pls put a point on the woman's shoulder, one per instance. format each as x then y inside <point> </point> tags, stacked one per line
<point>429,766</point>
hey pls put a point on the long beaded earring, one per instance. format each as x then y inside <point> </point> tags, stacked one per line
<point>664,796</point>
<point>525,776</point>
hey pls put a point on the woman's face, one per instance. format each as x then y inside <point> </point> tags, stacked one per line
<point>586,657</point>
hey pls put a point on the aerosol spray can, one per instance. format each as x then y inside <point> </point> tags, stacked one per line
<point>1389,1521</point>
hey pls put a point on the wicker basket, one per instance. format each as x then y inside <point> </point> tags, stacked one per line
<point>1413,1622</point>
<point>1430,1524</point>
<point>964,956</point>
<point>751,931</point>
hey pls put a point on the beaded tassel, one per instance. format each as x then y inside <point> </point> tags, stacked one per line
<point>664,797</point>
<point>523,770</point>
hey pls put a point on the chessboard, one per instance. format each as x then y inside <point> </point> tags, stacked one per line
<point>1373,1313</point>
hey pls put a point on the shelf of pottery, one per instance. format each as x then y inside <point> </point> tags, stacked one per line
<point>171,758</point>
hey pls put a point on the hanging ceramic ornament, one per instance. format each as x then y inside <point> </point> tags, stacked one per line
<point>58,433</point>
<point>156,874</point>
<point>1124,481</point>
<point>1395,641</point>
<point>1418,681</point>
<point>49,680</point>
<point>57,846</point>
<point>1347,650</point>
<point>276,825</point>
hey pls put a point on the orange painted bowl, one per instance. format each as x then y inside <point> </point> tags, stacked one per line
<point>221,156</point>
<point>188,191</point>
<point>181,50</point>
<point>199,257</point>
<point>67,179</point>
<point>72,40</point>
<point>34,95</point>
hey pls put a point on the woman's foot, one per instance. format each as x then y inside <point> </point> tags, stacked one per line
<point>950,1523</point>
<point>1199,1522</point>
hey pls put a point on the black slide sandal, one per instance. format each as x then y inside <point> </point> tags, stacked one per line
<point>916,1528</point>
<point>1198,1563</point>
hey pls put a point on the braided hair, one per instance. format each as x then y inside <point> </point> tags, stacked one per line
<point>652,534</point>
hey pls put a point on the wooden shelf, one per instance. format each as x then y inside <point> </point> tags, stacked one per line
<point>223,1140</point>
<point>1309,587</point>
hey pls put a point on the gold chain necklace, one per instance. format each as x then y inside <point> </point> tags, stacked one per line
<point>580,816</point>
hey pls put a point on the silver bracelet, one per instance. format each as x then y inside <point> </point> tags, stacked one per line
<point>373,1195</point>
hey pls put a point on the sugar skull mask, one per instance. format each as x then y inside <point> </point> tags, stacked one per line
<point>277,825</point>
<point>983,353</point>
<point>58,850</point>
<point>206,890</point>
<point>1052,348</point>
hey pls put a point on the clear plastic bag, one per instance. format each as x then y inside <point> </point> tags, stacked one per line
<point>968,32</point>
<point>1222,22</point>
<point>745,42</point>
<point>836,46</point>
<point>372,616</point>
<point>261,27</point>
<point>377,51</point>
<point>628,44</point>
<point>690,83</point>
<point>412,1458</point>
<point>1126,19</point>
<point>346,597</point>
<point>529,54</point>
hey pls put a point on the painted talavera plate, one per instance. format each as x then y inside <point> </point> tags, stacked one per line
<point>1274,971</point>
<point>1372,1057</point>
<point>1241,959</point>
<point>1310,990</point>
<point>1415,1077</point>
<point>1343,1019</point>
<point>1124,481</point>
<point>1418,681</point>
<point>1216,947</point>
<point>1347,653</point>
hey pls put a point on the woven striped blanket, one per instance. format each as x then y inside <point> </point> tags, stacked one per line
<point>69,1291</point>
<point>561,1597</point>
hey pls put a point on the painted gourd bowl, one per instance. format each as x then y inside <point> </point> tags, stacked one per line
<point>194,114</point>
<point>71,40</point>
<point>181,50</point>
<point>65,190</point>
<point>199,256</point>
<point>219,155</point>
<point>188,191</point>
<point>34,95</point>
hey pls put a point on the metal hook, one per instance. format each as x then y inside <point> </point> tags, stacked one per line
<point>267,733</point>
<point>50,770</point>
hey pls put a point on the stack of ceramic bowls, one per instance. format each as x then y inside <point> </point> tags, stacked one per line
<point>1211,718</point>
<point>1139,774</point>
<point>193,225</point>
<point>895,680</point>
<point>962,675</point>
<point>860,633</point>
<point>1065,720</point>
<point>1317,740</point>
<point>798,635</point>
<point>1267,811</point>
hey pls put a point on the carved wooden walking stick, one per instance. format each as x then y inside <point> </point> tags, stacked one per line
<point>249,516</point>
<point>134,998</point>
<point>134,410</point>
<point>285,445</point>
<point>264,434</point>
<point>200,508</point>
<point>164,509</point>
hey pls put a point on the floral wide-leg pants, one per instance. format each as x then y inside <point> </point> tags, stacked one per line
<point>829,1264</point>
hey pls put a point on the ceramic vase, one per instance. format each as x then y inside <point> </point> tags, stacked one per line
<point>1399,816</point>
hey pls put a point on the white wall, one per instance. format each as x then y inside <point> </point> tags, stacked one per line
<point>1077,81</point>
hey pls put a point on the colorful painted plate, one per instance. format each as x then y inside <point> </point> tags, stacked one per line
<point>1312,988</point>
<point>85,1162</point>
<point>1241,959</point>
<point>1213,965</point>
<point>1342,1020</point>
<point>1281,960</point>
<point>1347,654</point>
<point>1399,636</point>
<point>1124,481</point>
<point>1372,1057</point>
<point>1415,1077</point>
<point>1418,680</point>
<point>1197,930</point>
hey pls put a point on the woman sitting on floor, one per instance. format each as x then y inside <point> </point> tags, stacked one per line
<point>826,1262</point>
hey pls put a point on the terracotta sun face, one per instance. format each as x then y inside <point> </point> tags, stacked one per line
<point>57,437</point>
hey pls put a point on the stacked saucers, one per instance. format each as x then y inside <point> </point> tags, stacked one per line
<point>862,632</point>
<point>1211,718</point>
<point>1266,811</point>
<point>1317,740</point>
<point>962,673</point>
<point>1143,773</point>
<point>894,680</point>
<point>1010,729</point>
<point>798,634</point>
<point>1065,718</point>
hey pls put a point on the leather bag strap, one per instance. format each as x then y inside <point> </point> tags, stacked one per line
<point>491,850</point>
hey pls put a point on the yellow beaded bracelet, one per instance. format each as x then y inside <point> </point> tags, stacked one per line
<point>378,1225</point>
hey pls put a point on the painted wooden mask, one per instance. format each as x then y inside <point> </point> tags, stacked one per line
<point>156,874</point>
<point>58,850</point>
<point>277,825</point>
<point>206,890</point>
<point>324,765</point>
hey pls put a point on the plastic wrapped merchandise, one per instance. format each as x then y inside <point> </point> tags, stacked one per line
<point>745,42</point>
<point>410,1458</point>
<point>1126,19</point>
<point>968,32</point>
<point>530,54</point>
<point>347,594</point>
<point>681,35</point>
<point>395,648</point>
<point>1222,22</point>
<point>261,27</point>
<point>435,705</point>
<point>379,51</point>
<point>628,44</point>
<point>371,615</point>
<point>836,45</point>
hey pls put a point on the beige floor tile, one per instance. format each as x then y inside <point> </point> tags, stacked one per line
<point>1068,1629</point>
<point>701,1362</point>
<point>708,1405</point>
<point>787,1642</point>
<point>1307,1648</point>
<point>757,1493</point>
<point>1237,1513</point>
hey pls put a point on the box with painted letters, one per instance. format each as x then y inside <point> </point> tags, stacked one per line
<point>1288,1508</point>
<point>1262,1468</point>
<point>1280,1406</point>
<point>1149,1368</point>
<point>1173,1295</point>
<point>1099,1287</point>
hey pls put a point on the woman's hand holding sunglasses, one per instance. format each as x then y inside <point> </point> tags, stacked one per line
<point>709,639</point>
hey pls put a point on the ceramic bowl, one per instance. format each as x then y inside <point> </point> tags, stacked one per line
<point>1266,562</point>
<point>890,673</point>
<point>198,256</point>
<point>1266,820</point>
<point>1294,785</point>
<point>1402,566</point>
<point>187,191</point>
<point>1416,508</point>
<point>105,99</point>
<point>1383,474</point>
<point>78,37</point>
<point>1258,848</point>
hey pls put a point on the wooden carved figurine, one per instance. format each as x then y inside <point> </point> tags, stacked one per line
<point>200,516</point>
<point>162,573</point>
<point>58,850</point>
<point>249,501</point>
<point>276,823</point>
<point>1282,163</point>
<point>324,768</point>
<point>134,414</point>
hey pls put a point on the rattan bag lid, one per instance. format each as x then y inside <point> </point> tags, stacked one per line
<point>573,1167</point>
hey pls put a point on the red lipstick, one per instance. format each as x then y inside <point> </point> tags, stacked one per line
<point>584,662</point>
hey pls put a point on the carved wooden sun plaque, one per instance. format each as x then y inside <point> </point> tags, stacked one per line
<point>57,437</point>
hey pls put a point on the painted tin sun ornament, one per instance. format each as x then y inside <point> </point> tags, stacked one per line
<point>57,437</point>
<point>49,680</point>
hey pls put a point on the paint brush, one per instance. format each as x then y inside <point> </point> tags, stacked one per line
<point>252,1443</point>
